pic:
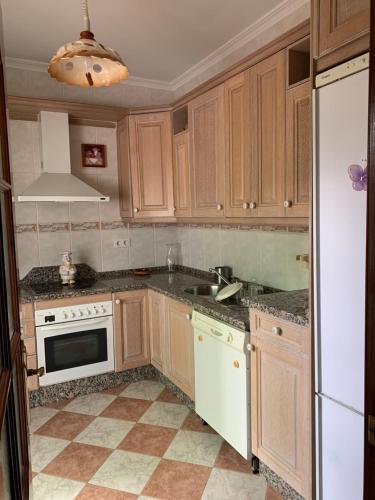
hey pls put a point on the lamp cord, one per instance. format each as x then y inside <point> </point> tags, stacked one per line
<point>86,19</point>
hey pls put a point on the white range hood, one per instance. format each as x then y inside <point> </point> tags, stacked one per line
<point>57,183</point>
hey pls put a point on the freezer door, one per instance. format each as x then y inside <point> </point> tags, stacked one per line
<point>340,456</point>
<point>341,140</point>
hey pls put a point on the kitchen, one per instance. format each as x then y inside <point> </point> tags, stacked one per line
<point>165,233</point>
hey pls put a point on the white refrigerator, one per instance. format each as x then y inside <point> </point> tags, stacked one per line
<point>340,187</point>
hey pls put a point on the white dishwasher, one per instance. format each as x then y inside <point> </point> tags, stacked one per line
<point>222,365</point>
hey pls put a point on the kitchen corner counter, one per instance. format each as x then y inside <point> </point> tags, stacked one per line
<point>290,306</point>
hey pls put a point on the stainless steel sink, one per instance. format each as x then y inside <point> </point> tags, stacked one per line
<point>206,290</point>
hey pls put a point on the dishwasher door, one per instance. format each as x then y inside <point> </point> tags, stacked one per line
<point>222,381</point>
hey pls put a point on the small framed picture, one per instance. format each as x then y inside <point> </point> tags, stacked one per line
<point>93,155</point>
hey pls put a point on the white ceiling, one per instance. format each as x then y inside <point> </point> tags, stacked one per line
<point>158,39</point>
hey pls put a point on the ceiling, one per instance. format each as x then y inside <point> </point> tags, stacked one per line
<point>158,39</point>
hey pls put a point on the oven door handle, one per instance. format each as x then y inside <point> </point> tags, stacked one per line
<point>64,326</point>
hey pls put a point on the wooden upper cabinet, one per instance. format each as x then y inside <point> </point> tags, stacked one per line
<point>156,309</point>
<point>181,174</point>
<point>150,141</point>
<point>179,346</point>
<point>281,434</point>
<point>237,165</point>
<point>341,30</point>
<point>206,125</point>
<point>126,208</point>
<point>131,331</point>
<point>298,150</point>
<point>267,132</point>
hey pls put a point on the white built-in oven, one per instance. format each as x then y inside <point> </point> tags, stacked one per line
<point>74,342</point>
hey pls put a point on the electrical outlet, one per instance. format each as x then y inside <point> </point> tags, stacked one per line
<point>121,243</point>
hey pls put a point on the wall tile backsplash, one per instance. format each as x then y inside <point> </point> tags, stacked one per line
<point>89,229</point>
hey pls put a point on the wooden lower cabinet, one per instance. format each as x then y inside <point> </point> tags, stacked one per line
<point>131,332</point>
<point>156,310</point>
<point>281,399</point>
<point>179,346</point>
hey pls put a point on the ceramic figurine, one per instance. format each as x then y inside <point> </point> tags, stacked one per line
<point>67,269</point>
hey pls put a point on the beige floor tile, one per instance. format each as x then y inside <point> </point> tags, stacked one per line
<point>195,448</point>
<point>39,416</point>
<point>91,404</point>
<point>106,432</point>
<point>165,415</point>
<point>47,487</point>
<point>44,450</point>
<point>144,389</point>
<point>231,485</point>
<point>125,471</point>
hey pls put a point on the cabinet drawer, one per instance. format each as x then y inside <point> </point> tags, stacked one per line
<point>286,334</point>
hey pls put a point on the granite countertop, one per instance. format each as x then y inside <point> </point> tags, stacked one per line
<point>291,306</point>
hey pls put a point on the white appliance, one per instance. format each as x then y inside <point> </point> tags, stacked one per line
<point>340,141</point>
<point>222,379</point>
<point>74,342</point>
<point>57,183</point>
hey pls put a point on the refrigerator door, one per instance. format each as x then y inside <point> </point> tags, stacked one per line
<point>340,433</point>
<point>341,140</point>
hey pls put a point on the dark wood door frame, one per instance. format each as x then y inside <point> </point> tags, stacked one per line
<point>369,465</point>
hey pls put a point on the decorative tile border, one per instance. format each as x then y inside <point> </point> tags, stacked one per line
<point>53,227</point>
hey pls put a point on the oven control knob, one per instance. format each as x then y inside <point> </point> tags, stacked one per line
<point>88,312</point>
<point>96,311</point>
<point>230,338</point>
<point>80,313</point>
<point>102,310</point>
<point>65,315</point>
<point>72,314</point>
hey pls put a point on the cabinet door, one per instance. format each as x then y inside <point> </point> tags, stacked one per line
<point>156,308</point>
<point>206,122</point>
<point>267,132</point>
<point>298,150</point>
<point>150,137</point>
<point>181,174</point>
<point>131,330</point>
<point>237,164</point>
<point>179,346</point>
<point>126,207</point>
<point>339,24</point>
<point>280,408</point>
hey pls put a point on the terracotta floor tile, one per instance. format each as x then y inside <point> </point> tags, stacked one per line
<point>271,494</point>
<point>229,458</point>
<point>126,409</point>
<point>65,425</point>
<point>115,391</point>
<point>148,439</point>
<point>91,492</point>
<point>59,405</point>
<point>194,423</point>
<point>78,462</point>
<point>172,480</point>
<point>168,397</point>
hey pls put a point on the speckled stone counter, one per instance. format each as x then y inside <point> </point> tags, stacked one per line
<point>170,284</point>
<point>290,306</point>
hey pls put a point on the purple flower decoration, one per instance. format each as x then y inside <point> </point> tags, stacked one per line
<point>358,176</point>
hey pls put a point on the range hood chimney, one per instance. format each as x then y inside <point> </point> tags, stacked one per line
<point>57,183</point>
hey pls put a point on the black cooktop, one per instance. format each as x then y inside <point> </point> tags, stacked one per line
<point>56,286</point>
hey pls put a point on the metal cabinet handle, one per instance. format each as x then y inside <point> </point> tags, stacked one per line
<point>245,205</point>
<point>188,317</point>
<point>35,371</point>
<point>250,347</point>
<point>136,210</point>
<point>117,301</point>
<point>253,205</point>
<point>276,330</point>
<point>219,206</point>
<point>287,204</point>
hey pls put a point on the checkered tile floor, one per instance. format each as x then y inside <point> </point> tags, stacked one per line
<point>134,441</point>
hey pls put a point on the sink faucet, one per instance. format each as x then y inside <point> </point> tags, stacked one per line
<point>211,270</point>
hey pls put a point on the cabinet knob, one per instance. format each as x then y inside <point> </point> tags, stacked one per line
<point>136,210</point>
<point>250,347</point>
<point>219,206</point>
<point>276,330</point>
<point>200,338</point>
<point>253,205</point>
<point>236,364</point>
<point>287,203</point>
<point>117,301</point>
<point>245,205</point>
<point>188,317</point>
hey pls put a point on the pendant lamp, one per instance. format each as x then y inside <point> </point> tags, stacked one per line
<point>86,62</point>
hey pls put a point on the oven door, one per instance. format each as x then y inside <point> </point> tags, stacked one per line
<point>73,350</point>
